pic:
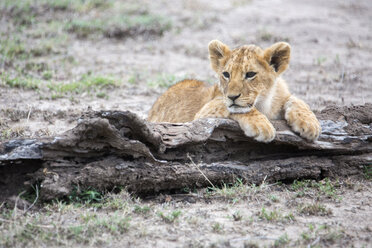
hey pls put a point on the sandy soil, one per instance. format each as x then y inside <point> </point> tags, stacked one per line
<point>331,53</point>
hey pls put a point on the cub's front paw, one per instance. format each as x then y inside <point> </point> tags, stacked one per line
<point>306,124</point>
<point>301,119</point>
<point>259,128</point>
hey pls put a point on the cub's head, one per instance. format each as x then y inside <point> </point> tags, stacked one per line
<point>248,72</point>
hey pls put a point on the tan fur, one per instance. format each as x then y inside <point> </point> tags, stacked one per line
<point>250,100</point>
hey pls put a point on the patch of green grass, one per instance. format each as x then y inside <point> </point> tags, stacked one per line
<point>21,12</point>
<point>15,49</point>
<point>171,217</point>
<point>274,198</point>
<point>326,187</point>
<point>367,171</point>
<point>115,224</point>
<point>315,209</point>
<point>38,67</point>
<point>120,201</point>
<point>47,75</point>
<point>239,3</point>
<point>306,236</point>
<point>25,13</point>
<point>332,237</point>
<point>84,28</point>
<point>321,60</point>
<point>29,4</point>
<point>217,227</point>
<point>73,222</point>
<point>134,78</point>
<point>86,84</point>
<point>300,184</point>
<point>235,191</point>
<point>289,217</point>
<point>11,48</point>
<point>229,190</point>
<point>92,225</point>
<point>41,50</point>
<point>322,188</point>
<point>269,215</point>
<point>119,26</point>
<point>148,21</point>
<point>86,5</point>
<point>282,241</point>
<point>274,216</point>
<point>323,233</point>
<point>101,95</point>
<point>79,226</point>
<point>27,232</point>
<point>91,197</point>
<point>143,210</point>
<point>34,8</point>
<point>85,196</point>
<point>20,82</point>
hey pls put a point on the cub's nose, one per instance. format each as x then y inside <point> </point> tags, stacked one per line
<point>233,98</point>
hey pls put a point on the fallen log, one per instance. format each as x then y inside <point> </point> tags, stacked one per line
<point>108,149</point>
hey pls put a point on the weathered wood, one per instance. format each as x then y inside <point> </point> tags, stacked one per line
<point>112,148</point>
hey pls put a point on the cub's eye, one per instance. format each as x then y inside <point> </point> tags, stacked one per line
<point>250,74</point>
<point>226,74</point>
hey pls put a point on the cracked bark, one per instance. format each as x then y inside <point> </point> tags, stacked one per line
<point>113,148</point>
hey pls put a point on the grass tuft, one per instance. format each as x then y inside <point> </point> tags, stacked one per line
<point>274,216</point>
<point>120,26</point>
<point>12,48</point>
<point>282,241</point>
<point>171,217</point>
<point>315,209</point>
<point>143,210</point>
<point>85,196</point>
<point>20,82</point>
<point>367,171</point>
<point>309,187</point>
<point>217,227</point>
<point>86,84</point>
<point>269,215</point>
<point>236,191</point>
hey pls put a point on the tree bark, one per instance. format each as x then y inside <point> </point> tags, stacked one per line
<point>108,149</point>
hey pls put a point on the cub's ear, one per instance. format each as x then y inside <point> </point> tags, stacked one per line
<point>218,53</point>
<point>278,56</point>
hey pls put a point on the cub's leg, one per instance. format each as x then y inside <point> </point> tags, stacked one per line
<point>301,119</point>
<point>214,108</point>
<point>256,125</point>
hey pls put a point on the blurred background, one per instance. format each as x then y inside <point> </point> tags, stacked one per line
<point>59,58</point>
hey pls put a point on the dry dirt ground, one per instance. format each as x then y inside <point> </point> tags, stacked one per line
<point>60,58</point>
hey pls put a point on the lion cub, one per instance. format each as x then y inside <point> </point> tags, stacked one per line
<point>250,91</point>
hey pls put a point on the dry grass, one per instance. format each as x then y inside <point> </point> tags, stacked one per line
<point>90,218</point>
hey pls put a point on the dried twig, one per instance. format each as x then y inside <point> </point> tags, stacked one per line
<point>33,204</point>
<point>29,113</point>
<point>201,172</point>
<point>16,203</point>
